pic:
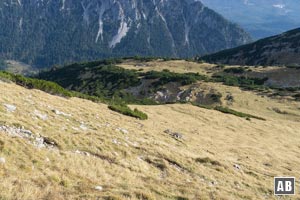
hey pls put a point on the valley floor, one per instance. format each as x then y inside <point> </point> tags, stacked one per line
<point>57,148</point>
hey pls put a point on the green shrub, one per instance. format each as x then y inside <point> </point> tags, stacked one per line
<point>209,107</point>
<point>166,76</point>
<point>240,81</point>
<point>105,81</point>
<point>235,70</point>
<point>216,97</point>
<point>236,113</point>
<point>47,86</point>
<point>221,66</point>
<point>32,83</point>
<point>297,95</point>
<point>228,111</point>
<point>125,110</point>
<point>293,66</point>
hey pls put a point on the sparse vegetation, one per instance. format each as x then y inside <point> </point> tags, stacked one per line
<point>293,66</point>
<point>241,81</point>
<point>125,110</point>
<point>235,70</point>
<point>207,160</point>
<point>106,81</point>
<point>32,83</point>
<point>93,151</point>
<point>55,89</point>
<point>228,111</point>
<point>166,76</point>
<point>236,113</point>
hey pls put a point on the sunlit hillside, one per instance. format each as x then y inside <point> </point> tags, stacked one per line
<point>57,148</point>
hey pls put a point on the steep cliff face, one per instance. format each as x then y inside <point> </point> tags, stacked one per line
<point>46,32</point>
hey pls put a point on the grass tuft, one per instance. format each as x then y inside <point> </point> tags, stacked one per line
<point>208,161</point>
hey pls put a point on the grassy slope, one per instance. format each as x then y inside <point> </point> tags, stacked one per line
<point>147,163</point>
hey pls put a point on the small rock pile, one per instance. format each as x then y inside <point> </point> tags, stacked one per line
<point>16,131</point>
<point>36,140</point>
<point>57,112</point>
<point>2,160</point>
<point>175,135</point>
<point>10,108</point>
<point>122,130</point>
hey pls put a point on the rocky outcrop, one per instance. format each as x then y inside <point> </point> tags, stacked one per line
<point>21,132</point>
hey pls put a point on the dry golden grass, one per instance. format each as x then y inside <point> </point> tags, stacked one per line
<point>277,75</point>
<point>147,163</point>
<point>178,66</point>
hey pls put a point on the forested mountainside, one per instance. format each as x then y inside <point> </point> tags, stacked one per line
<point>47,32</point>
<point>283,49</point>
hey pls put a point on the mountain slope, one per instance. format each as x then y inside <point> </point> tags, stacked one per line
<point>62,148</point>
<point>283,49</point>
<point>260,18</point>
<point>50,32</point>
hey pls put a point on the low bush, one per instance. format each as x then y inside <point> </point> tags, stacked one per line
<point>240,81</point>
<point>166,76</point>
<point>293,66</point>
<point>125,110</point>
<point>235,70</point>
<point>228,111</point>
<point>297,95</point>
<point>236,113</point>
<point>32,83</point>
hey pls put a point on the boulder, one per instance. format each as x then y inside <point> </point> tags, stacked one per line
<point>10,108</point>
<point>2,160</point>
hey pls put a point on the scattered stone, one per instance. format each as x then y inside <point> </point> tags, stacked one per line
<point>175,135</point>
<point>168,131</point>
<point>49,141</point>
<point>178,97</point>
<point>16,131</point>
<point>2,160</point>
<point>57,112</point>
<point>122,130</point>
<point>213,183</point>
<point>229,98</point>
<point>36,140</point>
<point>99,188</point>
<point>74,128</point>
<point>39,142</point>
<point>40,115</point>
<point>78,152</point>
<point>140,158</point>
<point>237,167</point>
<point>83,153</point>
<point>83,127</point>
<point>10,108</point>
<point>267,164</point>
<point>277,110</point>
<point>115,141</point>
